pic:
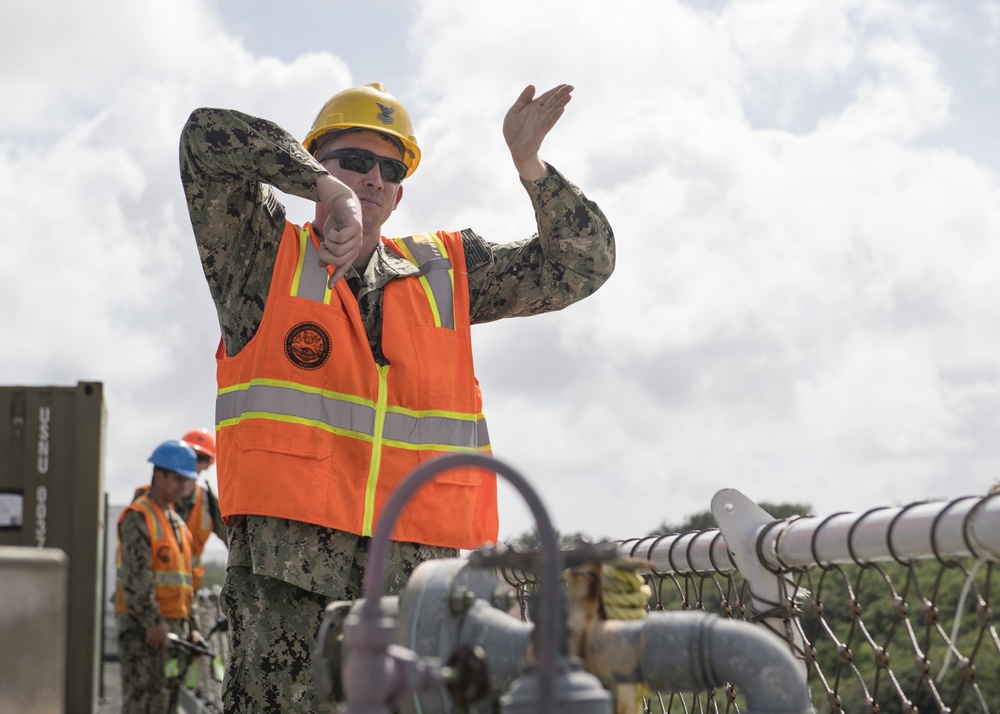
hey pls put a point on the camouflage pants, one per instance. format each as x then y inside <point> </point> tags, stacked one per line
<point>144,685</point>
<point>272,632</point>
<point>273,627</point>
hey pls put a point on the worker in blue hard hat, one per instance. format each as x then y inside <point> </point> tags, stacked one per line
<point>155,595</point>
<point>197,504</point>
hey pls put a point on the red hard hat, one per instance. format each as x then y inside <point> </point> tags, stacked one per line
<point>202,441</point>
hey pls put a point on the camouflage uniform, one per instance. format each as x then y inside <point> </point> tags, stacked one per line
<point>144,684</point>
<point>281,573</point>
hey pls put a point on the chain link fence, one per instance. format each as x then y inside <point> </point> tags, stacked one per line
<point>888,610</point>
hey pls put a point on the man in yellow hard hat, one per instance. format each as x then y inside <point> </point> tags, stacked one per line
<point>346,356</point>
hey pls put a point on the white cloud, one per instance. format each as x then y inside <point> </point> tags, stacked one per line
<point>793,39</point>
<point>804,302</point>
<point>991,13</point>
<point>100,273</point>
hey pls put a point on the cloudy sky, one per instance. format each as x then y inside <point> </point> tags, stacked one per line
<point>805,194</point>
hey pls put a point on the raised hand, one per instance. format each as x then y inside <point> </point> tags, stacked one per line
<point>528,122</point>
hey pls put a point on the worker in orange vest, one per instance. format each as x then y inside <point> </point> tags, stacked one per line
<point>197,504</point>
<point>155,594</point>
<point>346,356</point>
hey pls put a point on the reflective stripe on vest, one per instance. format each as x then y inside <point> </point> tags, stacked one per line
<point>310,284</point>
<point>424,250</point>
<point>170,577</point>
<point>199,522</point>
<point>350,416</point>
<point>428,253</point>
<point>157,532</point>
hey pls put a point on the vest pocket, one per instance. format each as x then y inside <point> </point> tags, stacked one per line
<point>295,456</point>
<point>443,511</point>
<point>445,373</point>
<point>283,438</point>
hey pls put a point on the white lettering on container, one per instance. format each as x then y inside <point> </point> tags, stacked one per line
<point>43,440</point>
<point>41,511</point>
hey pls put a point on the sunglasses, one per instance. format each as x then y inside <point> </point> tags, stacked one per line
<point>204,458</point>
<point>362,161</point>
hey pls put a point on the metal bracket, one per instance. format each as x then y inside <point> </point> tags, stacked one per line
<point>741,522</point>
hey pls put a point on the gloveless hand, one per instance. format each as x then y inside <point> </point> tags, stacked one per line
<point>342,231</point>
<point>528,122</point>
<point>156,636</point>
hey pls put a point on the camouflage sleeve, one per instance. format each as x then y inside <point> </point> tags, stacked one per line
<point>229,162</point>
<point>218,524</point>
<point>570,257</point>
<point>137,570</point>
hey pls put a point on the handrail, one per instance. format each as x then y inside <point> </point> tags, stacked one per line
<point>964,527</point>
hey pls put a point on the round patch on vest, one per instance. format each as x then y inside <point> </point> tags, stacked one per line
<point>307,346</point>
<point>163,553</point>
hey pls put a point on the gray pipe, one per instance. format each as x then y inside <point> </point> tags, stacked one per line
<point>671,651</point>
<point>693,651</point>
<point>367,633</point>
<point>504,639</point>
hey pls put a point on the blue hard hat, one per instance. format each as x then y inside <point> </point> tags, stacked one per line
<point>175,456</point>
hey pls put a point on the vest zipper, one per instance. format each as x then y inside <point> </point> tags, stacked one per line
<point>376,459</point>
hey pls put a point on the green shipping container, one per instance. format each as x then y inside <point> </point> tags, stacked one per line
<point>52,496</point>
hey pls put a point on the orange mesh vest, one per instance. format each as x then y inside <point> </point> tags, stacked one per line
<point>171,562</point>
<point>199,523</point>
<point>311,428</point>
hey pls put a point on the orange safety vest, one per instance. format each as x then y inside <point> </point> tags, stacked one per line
<point>312,429</point>
<point>199,522</point>
<point>171,561</point>
<point>201,526</point>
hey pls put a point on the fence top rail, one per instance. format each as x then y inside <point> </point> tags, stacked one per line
<point>964,527</point>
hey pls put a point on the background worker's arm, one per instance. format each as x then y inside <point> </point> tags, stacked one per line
<point>183,534</point>
<point>137,580</point>
<point>229,162</point>
<point>572,254</point>
<point>218,524</point>
<point>195,611</point>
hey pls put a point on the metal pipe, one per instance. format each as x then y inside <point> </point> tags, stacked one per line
<point>370,627</point>
<point>693,651</point>
<point>504,641</point>
<point>964,527</point>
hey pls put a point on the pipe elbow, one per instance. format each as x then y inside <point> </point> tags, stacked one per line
<point>687,651</point>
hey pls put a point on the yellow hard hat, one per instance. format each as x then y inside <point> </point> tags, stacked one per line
<point>368,107</point>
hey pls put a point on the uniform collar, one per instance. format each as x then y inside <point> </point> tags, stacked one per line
<point>385,264</point>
